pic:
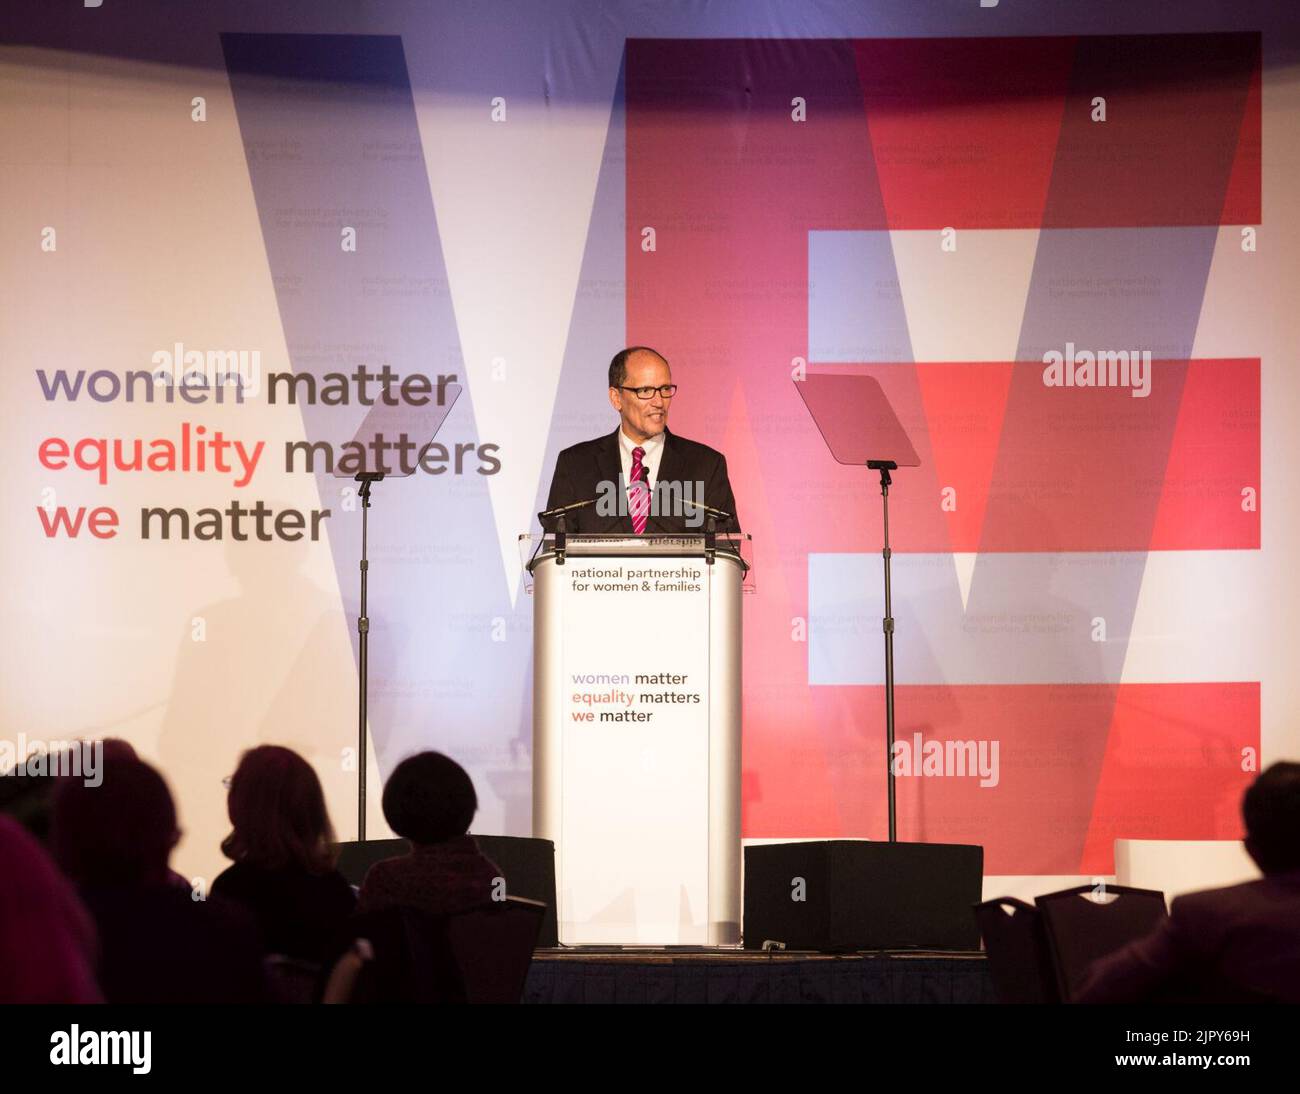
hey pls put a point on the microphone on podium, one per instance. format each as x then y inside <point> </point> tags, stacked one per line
<point>560,510</point>
<point>720,514</point>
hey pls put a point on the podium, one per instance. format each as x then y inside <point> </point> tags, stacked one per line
<point>636,733</point>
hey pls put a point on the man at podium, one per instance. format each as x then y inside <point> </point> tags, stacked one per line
<point>642,479</point>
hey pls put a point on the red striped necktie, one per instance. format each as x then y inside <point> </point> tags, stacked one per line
<point>638,492</point>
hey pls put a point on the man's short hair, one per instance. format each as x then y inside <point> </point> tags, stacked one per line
<point>1271,810</point>
<point>429,798</point>
<point>618,366</point>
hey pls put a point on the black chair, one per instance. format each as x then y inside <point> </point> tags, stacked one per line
<point>493,947</point>
<point>1080,929</point>
<point>479,956</point>
<point>1019,961</point>
<point>291,980</point>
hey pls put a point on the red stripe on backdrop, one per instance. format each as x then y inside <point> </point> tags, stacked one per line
<point>1176,766</point>
<point>1077,766</point>
<point>1215,456</point>
<point>1087,474</point>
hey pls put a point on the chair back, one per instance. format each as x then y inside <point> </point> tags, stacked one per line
<point>478,956</point>
<point>1020,964</point>
<point>493,948</point>
<point>291,980</point>
<point>1080,929</point>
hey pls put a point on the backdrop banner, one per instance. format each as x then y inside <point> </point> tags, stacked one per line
<point>232,230</point>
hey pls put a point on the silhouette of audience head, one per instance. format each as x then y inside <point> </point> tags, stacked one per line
<point>115,747</point>
<point>277,810</point>
<point>47,941</point>
<point>118,833</point>
<point>1271,811</point>
<point>28,797</point>
<point>429,798</point>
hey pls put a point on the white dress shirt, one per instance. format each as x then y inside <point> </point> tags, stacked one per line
<point>654,451</point>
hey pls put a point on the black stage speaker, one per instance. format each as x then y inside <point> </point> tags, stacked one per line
<point>862,895</point>
<point>528,866</point>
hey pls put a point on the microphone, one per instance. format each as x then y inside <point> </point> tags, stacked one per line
<point>721,514</point>
<point>558,514</point>
<point>559,510</point>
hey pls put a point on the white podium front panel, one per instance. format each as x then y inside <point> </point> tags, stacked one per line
<point>636,746</point>
<point>636,751</point>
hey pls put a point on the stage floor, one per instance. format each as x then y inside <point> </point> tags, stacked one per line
<point>702,975</point>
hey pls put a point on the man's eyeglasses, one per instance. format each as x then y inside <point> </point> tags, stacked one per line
<point>666,390</point>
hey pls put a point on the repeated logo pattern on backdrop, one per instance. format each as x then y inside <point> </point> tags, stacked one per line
<point>1049,250</point>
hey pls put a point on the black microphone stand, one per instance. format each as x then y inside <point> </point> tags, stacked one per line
<point>366,479</point>
<point>885,467</point>
<point>561,539</point>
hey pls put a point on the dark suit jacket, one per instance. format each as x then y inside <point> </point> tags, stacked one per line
<point>582,468</point>
<point>1239,944</point>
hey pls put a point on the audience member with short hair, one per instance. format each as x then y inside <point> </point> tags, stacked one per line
<point>430,801</point>
<point>47,940</point>
<point>26,792</point>
<point>282,845</point>
<point>158,942</point>
<point>1237,944</point>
